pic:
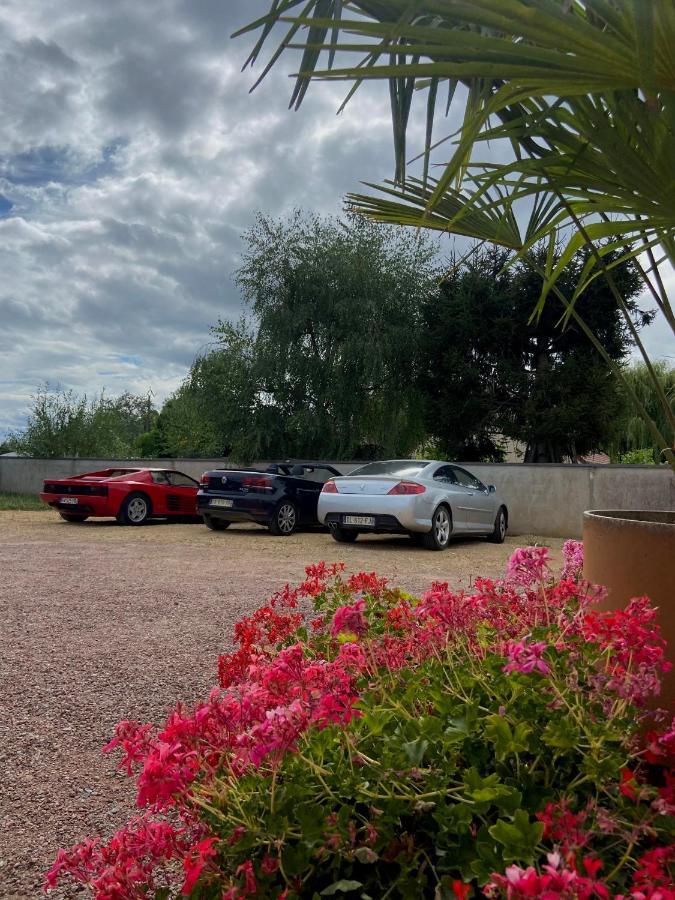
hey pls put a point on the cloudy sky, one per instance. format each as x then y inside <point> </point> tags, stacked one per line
<point>132,157</point>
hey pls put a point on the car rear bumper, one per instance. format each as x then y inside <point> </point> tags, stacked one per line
<point>391,513</point>
<point>86,505</point>
<point>243,509</point>
<point>383,524</point>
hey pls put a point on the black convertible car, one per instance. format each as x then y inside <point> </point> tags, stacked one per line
<point>282,497</point>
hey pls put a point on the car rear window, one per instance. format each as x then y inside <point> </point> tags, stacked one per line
<point>398,467</point>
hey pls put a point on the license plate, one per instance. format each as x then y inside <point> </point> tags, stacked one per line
<point>72,501</point>
<point>219,501</point>
<point>358,520</point>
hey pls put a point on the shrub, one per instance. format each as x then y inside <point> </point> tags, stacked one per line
<point>467,743</point>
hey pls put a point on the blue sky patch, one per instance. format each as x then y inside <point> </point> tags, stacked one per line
<point>42,165</point>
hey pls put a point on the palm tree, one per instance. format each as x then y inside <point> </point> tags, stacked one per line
<point>584,91</point>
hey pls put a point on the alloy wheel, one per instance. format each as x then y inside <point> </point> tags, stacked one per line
<point>442,526</point>
<point>286,518</point>
<point>502,526</point>
<point>137,509</point>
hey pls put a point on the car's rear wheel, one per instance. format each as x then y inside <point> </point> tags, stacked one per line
<point>499,531</point>
<point>343,535</point>
<point>285,519</point>
<point>73,517</point>
<point>135,510</point>
<point>216,524</point>
<point>441,529</point>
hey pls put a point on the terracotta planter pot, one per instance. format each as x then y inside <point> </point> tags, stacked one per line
<point>632,552</point>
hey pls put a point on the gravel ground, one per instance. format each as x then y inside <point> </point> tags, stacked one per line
<point>101,623</point>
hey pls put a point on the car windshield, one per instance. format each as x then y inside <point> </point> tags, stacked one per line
<point>398,467</point>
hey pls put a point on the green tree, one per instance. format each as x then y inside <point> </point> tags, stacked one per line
<point>62,423</point>
<point>327,365</point>
<point>491,370</point>
<point>337,306</point>
<point>635,443</point>
<point>213,413</point>
<point>584,92</point>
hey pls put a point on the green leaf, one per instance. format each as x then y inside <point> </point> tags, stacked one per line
<point>507,742</point>
<point>415,750</point>
<point>366,855</point>
<point>341,887</point>
<point>519,838</point>
<point>457,727</point>
<point>563,734</point>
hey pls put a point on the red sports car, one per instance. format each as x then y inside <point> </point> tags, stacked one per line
<point>131,495</point>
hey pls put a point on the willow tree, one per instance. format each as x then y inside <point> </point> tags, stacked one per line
<point>635,441</point>
<point>584,92</point>
<point>336,306</point>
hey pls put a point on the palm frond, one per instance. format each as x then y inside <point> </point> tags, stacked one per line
<point>584,93</point>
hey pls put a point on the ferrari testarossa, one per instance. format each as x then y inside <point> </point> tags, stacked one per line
<point>132,496</point>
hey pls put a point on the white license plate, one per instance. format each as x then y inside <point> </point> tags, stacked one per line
<point>73,501</point>
<point>219,501</point>
<point>358,520</point>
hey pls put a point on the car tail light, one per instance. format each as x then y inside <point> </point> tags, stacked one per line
<point>407,487</point>
<point>204,480</point>
<point>257,483</point>
<point>101,491</point>
<point>329,488</point>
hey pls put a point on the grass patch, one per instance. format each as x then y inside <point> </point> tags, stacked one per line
<point>20,501</point>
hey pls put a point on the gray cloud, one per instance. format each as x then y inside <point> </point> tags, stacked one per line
<point>131,161</point>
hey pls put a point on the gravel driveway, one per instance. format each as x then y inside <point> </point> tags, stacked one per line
<point>101,622</point>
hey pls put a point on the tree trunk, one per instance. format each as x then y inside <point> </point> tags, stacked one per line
<point>542,451</point>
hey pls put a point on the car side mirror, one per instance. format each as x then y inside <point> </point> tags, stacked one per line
<point>491,489</point>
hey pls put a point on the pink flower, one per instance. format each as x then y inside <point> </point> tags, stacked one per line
<point>573,552</point>
<point>352,656</point>
<point>250,885</point>
<point>350,619</point>
<point>286,679</point>
<point>367,583</point>
<point>526,658</point>
<point>556,881</point>
<point>566,828</point>
<point>528,565</point>
<point>124,867</point>
<point>628,787</point>
<point>134,739</point>
<point>194,862</point>
<point>269,865</point>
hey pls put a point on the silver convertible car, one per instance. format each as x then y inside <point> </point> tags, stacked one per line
<point>430,501</point>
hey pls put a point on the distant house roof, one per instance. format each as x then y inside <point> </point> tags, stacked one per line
<point>595,459</point>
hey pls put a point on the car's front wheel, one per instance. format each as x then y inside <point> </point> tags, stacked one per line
<point>285,519</point>
<point>135,510</point>
<point>73,517</point>
<point>441,529</point>
<point>343,535</point>
<point>499,531</point>
<point>216,524</point>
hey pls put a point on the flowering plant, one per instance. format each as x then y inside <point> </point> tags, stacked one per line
<point>478,743</point>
